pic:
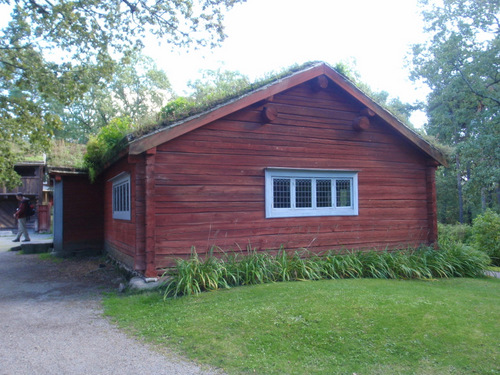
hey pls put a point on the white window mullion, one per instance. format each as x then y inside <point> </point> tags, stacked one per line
<point>334,193</point>
<point>313,193</point>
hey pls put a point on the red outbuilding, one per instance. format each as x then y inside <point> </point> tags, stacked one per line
<point>307,161</point>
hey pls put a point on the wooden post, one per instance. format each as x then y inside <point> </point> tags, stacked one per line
<point>150,222</point>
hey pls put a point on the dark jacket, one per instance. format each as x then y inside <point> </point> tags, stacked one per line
<point>21,210</point>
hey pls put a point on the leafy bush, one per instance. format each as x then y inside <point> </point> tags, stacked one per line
<point>100,147</point>
<point>177,108</point>
<point>486,235</point>
<point>461,233</point>
<point>195,275</point>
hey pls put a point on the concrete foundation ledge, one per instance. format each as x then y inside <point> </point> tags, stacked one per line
<point>36,247</point>
<point>141,283</point>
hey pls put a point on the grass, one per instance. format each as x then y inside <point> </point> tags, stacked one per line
<point>362,326</point>
<point>50,257</point>
<point>197,274</point>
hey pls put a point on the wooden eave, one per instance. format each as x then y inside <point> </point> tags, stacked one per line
<point>175,130</point>
<point>30,163</point>
<point>53,170</point>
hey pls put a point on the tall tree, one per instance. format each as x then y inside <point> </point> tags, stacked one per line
<point>461,64</point>
<point>137,90</point>
<point>213,86</point>
<point>50,50</point>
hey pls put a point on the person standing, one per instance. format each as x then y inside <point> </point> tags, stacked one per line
<point>20,215</point>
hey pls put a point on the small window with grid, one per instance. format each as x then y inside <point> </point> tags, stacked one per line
<point>121,197</point>
<point>291,193</point>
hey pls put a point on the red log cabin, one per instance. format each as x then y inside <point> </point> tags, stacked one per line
<point>307,161</point>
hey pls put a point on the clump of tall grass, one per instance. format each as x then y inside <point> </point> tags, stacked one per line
<point>195,275</point>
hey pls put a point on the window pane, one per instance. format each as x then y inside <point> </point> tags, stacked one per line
<point>303,193</point>
<point>127,198</point>
<point>323,193</point>
<point>281,193</point>
<point>343,193</point>
<point>120,201</point>
<point>121,198</point>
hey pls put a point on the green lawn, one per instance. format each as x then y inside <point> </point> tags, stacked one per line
<point>362,326</point>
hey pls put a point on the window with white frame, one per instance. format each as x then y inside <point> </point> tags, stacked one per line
<point>121,197</point>
<point>310,192</point>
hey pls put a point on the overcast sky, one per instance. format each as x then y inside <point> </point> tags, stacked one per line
<point>268,35</point>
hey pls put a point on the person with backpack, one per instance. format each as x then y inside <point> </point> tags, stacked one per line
<point>21,215</point>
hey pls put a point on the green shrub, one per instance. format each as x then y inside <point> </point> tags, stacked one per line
<point>100,147</point>
<point>195,275</point>
<point>461,233</point>
<point>486,235</point>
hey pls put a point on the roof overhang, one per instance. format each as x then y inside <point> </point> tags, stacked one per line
<point>63,171</point>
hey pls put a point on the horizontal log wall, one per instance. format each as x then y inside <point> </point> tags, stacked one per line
<point>124,239</point>
<point>210,182</point>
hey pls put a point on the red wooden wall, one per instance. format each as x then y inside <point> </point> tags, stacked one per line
<point>209,186</point>
<point>124,239</point>
<point>83,219</point>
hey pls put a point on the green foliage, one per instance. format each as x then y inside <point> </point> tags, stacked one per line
<point>460,64</point>
<point>53,53</point>
<point>8,176</point>
<point>136,89</point>
<point>103,146</point>
<point>196,275</point>
<point>215,87</point>
<point>454,233</point>
<point>66,154</point>
<point>177,108</point>
<point>486,232</point>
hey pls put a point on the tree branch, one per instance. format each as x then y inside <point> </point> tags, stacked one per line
<point>497,101</point>
<point>38,7</point>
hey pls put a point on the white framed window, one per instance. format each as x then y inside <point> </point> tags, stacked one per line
<point>310,192</point>
<point>121,196</point>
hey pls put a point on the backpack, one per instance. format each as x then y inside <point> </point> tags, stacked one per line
<point>30,209</point>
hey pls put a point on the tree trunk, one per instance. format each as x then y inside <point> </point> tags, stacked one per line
<point>469,212</point>
<point>483,200</point>
<point>459,187</point>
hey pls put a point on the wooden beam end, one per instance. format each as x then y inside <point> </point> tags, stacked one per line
<point>361,123</point>
<point>269,114</point>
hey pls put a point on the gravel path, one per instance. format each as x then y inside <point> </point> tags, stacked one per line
<point>51,322</point>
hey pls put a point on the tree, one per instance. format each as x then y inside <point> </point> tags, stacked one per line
<point>137,90</point>
<point>460,63</point>
<point>217,84</point>
<point>51,50</point>
<point>213,87</point>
